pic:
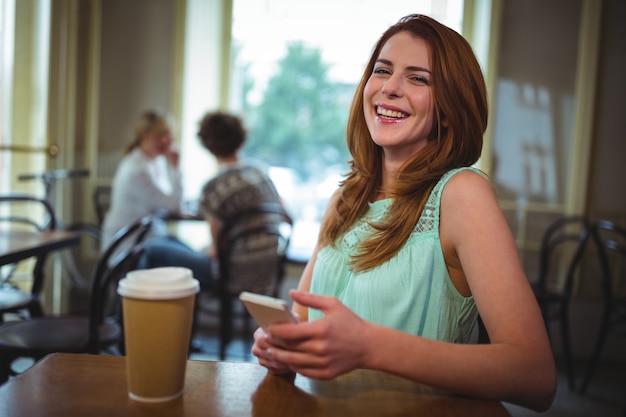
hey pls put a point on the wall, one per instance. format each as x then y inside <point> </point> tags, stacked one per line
<point>607,185</point>
<point>136,71</point>
<point>609,138</point>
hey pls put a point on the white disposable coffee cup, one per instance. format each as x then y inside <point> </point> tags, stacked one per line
<point>158,307</point>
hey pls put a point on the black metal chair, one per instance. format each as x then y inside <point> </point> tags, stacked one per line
<point>92,333</point>
<point>258,237</point>
<point>561,252</point>
<point>30,213</point>
<point>610,240</point>
<point>78,261</point>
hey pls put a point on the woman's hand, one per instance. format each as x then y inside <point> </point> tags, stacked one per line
<point>324,348</point>
<point>263,349</point>
<point>173,156</point>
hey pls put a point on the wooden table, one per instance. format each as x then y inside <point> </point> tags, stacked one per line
<point>17,245</point>
<point>90,385</point>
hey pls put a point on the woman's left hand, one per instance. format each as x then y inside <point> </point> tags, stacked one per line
<point>262,350</point>
<point>324,348</point>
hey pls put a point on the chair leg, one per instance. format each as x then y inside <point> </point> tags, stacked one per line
<point>5,367</point>
<point>247,335</point>
<point>567,351</point>
<point>226,325</point>
<point>595,358</point>
<point>35,309</point>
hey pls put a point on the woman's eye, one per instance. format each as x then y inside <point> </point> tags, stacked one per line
<point>420,80</point>
<point>381,71</point>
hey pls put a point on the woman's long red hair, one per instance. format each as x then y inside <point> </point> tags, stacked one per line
<point>460,99</point>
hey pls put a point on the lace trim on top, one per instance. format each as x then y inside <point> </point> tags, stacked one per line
<point>428,221</point>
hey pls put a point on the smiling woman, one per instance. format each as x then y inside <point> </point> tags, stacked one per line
<point>413,247</point>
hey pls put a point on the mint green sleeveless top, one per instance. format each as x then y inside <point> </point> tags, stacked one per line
<point>411,292</point>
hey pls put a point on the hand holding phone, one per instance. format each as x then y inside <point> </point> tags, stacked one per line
<point>267,310</point>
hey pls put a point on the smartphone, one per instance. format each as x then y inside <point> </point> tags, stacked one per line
<point>267,310</point>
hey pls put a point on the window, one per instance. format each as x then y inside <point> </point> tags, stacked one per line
<point>24,56</point>
<point>295,66</point>
<point>293,71</point>
<point>6,67</point>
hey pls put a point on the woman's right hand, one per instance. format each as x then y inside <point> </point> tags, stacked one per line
<point>173,156</point>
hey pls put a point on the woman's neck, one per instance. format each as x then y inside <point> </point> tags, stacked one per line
<point>390,169</point>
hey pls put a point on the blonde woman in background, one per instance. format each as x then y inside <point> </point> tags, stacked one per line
<point>147,179</point>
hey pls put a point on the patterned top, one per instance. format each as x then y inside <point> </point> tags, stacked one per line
<point>237,189</point>
<point>411,292</point>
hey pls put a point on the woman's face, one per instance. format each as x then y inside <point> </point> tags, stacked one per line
<point>397,99</point>
<point>156,142</point>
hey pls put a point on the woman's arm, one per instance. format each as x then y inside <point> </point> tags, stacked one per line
<point>305,284</point>
<point>307,274</point>
<point>174,174</point>
<point>517,365</point>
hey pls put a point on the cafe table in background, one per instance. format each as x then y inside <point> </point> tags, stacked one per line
<point>95,385</point>
<point>17,245</point>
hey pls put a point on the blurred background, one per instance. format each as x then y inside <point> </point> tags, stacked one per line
<point>75,75</point>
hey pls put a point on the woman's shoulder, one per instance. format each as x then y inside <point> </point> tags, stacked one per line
<point>463,174</point>
<point>468,190</point>
<point>135,160</point>
<point>469,179</point>
<point>454,180</point>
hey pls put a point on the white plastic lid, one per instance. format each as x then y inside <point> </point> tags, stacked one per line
<point>158,283</point>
